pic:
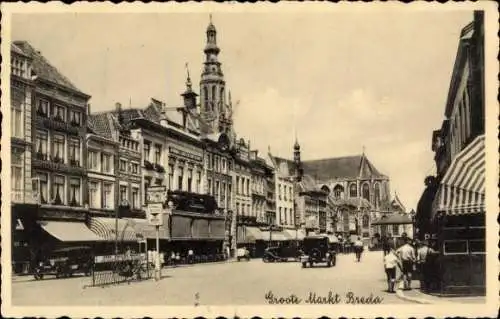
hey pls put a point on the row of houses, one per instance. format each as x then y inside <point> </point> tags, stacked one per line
<point>81,176</point>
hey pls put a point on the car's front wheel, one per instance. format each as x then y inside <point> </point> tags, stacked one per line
<point>304,265</point>
<point>329,264</point>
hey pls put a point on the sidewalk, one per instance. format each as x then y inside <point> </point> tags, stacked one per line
<point>415,295</point>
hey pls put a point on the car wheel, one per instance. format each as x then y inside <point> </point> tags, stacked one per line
<point>311,264</point>
<point>334,262</point>
<point>37,276</point>
<point>304,265</point>
<point>329,264</point>
<point>238,259</point>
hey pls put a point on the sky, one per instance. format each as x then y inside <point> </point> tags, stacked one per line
<point>339,81</point>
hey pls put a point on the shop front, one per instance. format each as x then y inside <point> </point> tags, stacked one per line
<point>459,224</point>
<point>251,238</point>
<point>202,233</point>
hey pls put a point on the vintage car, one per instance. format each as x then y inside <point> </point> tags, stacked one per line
<point>277,254</point>
<point>317,249</point>
<point>65,262</point>
<point>243,253</point>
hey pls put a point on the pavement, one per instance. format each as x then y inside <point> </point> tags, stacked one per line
<point>229,283</point>
<point>416,296</point>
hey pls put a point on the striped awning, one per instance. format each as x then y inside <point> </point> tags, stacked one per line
<point>69,231</point>
<point>249,234</point>
<point>461,191</point>
<point>106,227</point>
<point>293,234</point>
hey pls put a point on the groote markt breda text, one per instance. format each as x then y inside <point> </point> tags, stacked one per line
<point>322,299</point>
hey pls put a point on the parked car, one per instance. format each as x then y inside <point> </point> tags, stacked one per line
<point>317,249</point>
<point>276,254</point>
<point>65,262</point>
<point>243,253</point>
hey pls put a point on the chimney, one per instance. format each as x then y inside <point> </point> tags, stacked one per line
<point>88,109</point>
<point>118,108</point>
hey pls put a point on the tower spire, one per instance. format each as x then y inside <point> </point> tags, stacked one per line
<point>188,80</point>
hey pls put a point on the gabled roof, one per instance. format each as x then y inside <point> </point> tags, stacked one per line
<point>43,69</point>
<point>100,124</point>
<point>16,49</point>
<point>284,166</point>
<point>357,166</point>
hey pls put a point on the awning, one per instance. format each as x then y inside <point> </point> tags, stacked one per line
<point>292,234</point>
<point>273,236</point>
<point>461,191</point>
<point>248,234</point>
<point>142,227</point>
<point>105,228</point>
<point>69,231</point>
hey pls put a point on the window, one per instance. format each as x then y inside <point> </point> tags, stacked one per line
<point>158,181</point>
<point>213,93</point>
<point>123,165</point>
<point>17,119</point>
<point>477,246</point>
<point>280,217</point>
<point>43,108</point>
<point>74,151</point>
<point>147,150</point>
<point>229,190</point>
<point>58,112</point>
<point>44,187</point>
<point>180,178</point>
<point>94,194</point>
<point>290,193</point>
<point>58,190</point>
<point>279,192</point>
<point>135,198</point>
<point>135,168</point>
<point>16,176</point>
<point>171,176</point>
<point>147,183</point>
<point>395,230</point>
<point>74,192</point>
<point>365,190</point>
<point>377,195</point>
<point>75,118</point>
<point>209,161</point>
<point>157,154</point>
<point>58,148</point>
<point>366,221</point>
<point>223,195</point>
<point>366,234</point>
<point>92,161</point>
<point>455,247</point>
<point>107,164</point>
<point>285,215</point>
<point>337,191</point>
<point>198,182</point>
<point>190,180</point>
<point>284,192</point>
<point>237,208</point>
<point>107,199</point>
<point>41,145</point>
<point>353,190</point>
<point>205,96</point>
<point>123,193</point>
<point>216,193</point>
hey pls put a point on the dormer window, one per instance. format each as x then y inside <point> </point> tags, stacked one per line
<point>43,108</point>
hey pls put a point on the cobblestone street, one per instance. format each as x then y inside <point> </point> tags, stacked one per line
<point>240,283</point>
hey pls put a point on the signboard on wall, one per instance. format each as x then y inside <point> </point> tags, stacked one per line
<point>156,195</point>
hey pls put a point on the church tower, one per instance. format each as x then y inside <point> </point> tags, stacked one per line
<point>212,84</point>
<point>297,161</point>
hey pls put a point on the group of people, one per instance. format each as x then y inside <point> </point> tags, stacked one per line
<point>410,257</point>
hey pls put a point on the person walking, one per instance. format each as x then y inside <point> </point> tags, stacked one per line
<point>391,263</point>
<point>406,254</point>
<point>358,248</point>
<point>190,256</point>
<point>172,259</point>
<point>423,262</point>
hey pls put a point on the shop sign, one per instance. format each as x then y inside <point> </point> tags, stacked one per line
<point>155,214</point>
<point>181,153</point>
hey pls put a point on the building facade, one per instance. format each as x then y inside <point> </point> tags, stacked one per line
<point>21,88</point>
<point>451,212</point>
<point>55,170</point>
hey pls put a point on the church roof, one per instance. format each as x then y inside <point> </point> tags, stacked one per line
<point>393,219</point>
<point>284,166</point>
<point>341,167</point>
<point>43,69</point>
